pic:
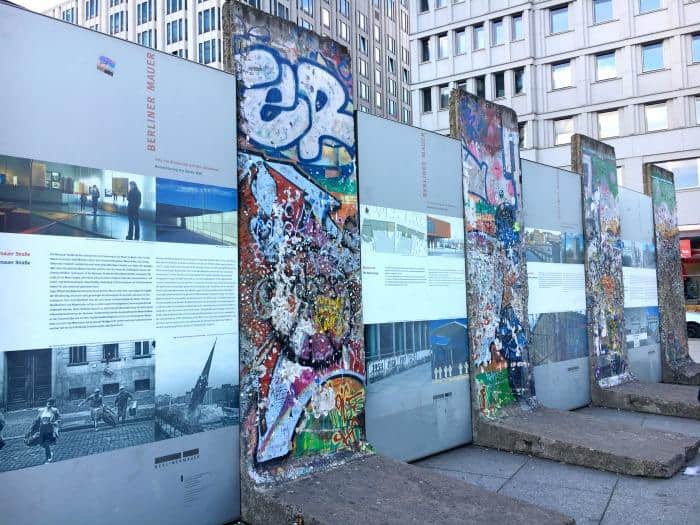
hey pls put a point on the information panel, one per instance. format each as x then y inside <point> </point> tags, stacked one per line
<point>639,281</point>
<point>413,289</point>
<point>556,282</point>
<point>118,263</point>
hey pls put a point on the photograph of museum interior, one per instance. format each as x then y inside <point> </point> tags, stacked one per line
<point>50,198</point>
<point>196,213</point>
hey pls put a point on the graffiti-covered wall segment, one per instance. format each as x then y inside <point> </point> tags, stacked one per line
<point>675,360</point>
<point>496,276</point>
<point>302,353</point>
<point>595,161</point>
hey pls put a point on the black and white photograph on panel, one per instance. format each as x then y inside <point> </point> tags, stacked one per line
<point>197,385</point>
<point>64,402</point>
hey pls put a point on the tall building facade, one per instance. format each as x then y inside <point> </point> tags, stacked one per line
<point>375,32</point>
<point>624,71</point>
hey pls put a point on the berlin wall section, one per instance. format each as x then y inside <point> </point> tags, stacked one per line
<point>302,355</point>
<point>676,364</point>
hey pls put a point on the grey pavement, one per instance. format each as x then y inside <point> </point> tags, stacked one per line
<point>588,495</point>
<point>76,443</point>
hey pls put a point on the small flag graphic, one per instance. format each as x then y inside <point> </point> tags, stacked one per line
<point>106,65</point>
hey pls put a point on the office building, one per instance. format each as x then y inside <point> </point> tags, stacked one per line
<point>375,32</point>
<point>627,73</point>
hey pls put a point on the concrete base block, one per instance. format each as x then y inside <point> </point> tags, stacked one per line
<point>588,441</point>
<point>376,489</point>
<point>653,398</point>
<point>688,373</point>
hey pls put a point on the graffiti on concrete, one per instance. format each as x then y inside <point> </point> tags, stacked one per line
<point>302,355</point>
<point>595,161</point>
<point>659,184</point>
<point>496,276</point>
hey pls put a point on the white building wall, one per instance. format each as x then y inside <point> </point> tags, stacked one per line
<point>677,83</point>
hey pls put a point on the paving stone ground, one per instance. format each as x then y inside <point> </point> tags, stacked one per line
<point>76,443</point>
<point>588,495</point>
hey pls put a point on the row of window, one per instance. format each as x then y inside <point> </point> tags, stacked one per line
<point>479,89</point>
<point>173,31</point>
<point>498,37</point>
<point>208,51</point>
<point>77,355</point>
<point>118,22</point>
<point>392,110</point>
<point>108,389</point>
<point>608,121</point>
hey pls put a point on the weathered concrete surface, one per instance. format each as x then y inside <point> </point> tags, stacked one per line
<point>588,441</point>
<point>653,398</point>
<point>379,490</point>
<point>687,373</point>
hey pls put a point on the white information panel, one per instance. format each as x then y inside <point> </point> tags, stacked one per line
<point>118,262</point>
<point>413,289</point>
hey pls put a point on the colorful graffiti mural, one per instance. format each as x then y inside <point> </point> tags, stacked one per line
<point>659,184</point>
<point>496,276</point>
<point>302,355</point>
<point>595,161</point>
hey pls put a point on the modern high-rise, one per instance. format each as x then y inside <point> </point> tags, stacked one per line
<point>375,32</point>
<point>624,71</point>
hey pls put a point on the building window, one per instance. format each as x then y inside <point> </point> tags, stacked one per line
<point>423,6</point>
<point>405,95</point>
<point>500,84</point>
<point>697,110</point>
<point>145,38</point>
<point>377,55</point>
<point>364,91</point>
<point>649,5</point>
<point>522,134</point>
<point>479,37</point>
<point>609,124</point>
<point>307,6</point>
<point>378,99</point>
<point>460,41</point>
<point>653,56</point>
<point>443,46</point>
<point>141,385</point>
<point>391,65</point>
<point>363,67</point>
<point>77,355</point>
<point>440,3</point>
<point>424,44</point>
<point>559,19</point>
<point>480,86</point>
<point>306,24</point>
<point>561,75</point>
<point>171,6</point>
<point>656,116</point>
<point>405,116</point>
<point>392,108</point>
<point>174,31</point>
<point>517,29</point>
<point>362,44</point>
<point>405,55</point>
<point>685,172</point>
<point>362,21</point>
<point>378,77</point>
<point>91,9</point>
<point>207,20</point>
<point>391,44</point>
<point>142,348</point>
<point>605,67</point>
<point>602,11</point>
<point>344,8</point>
<point>444,96</point>
<point>695,48</point>
<point>406,76</point>
<point>343,30</point>
<point>325,17</point>
<point>427,100</point>
<point>110,389</point>
<point>281,10</point>
<point>110,352</point>
<point>462,85</point>
<point>519,80</point>
<point>377,34</point>
<point>391,9</point>
<point>117,22</point>
<point>391,83</point>
<point>77,394</point>
<point>364,109</point>
<point>404,21</point>
<point>69,15</point>
<point>563,129</point>
<point>497,36</point>
<point>144,12</point>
